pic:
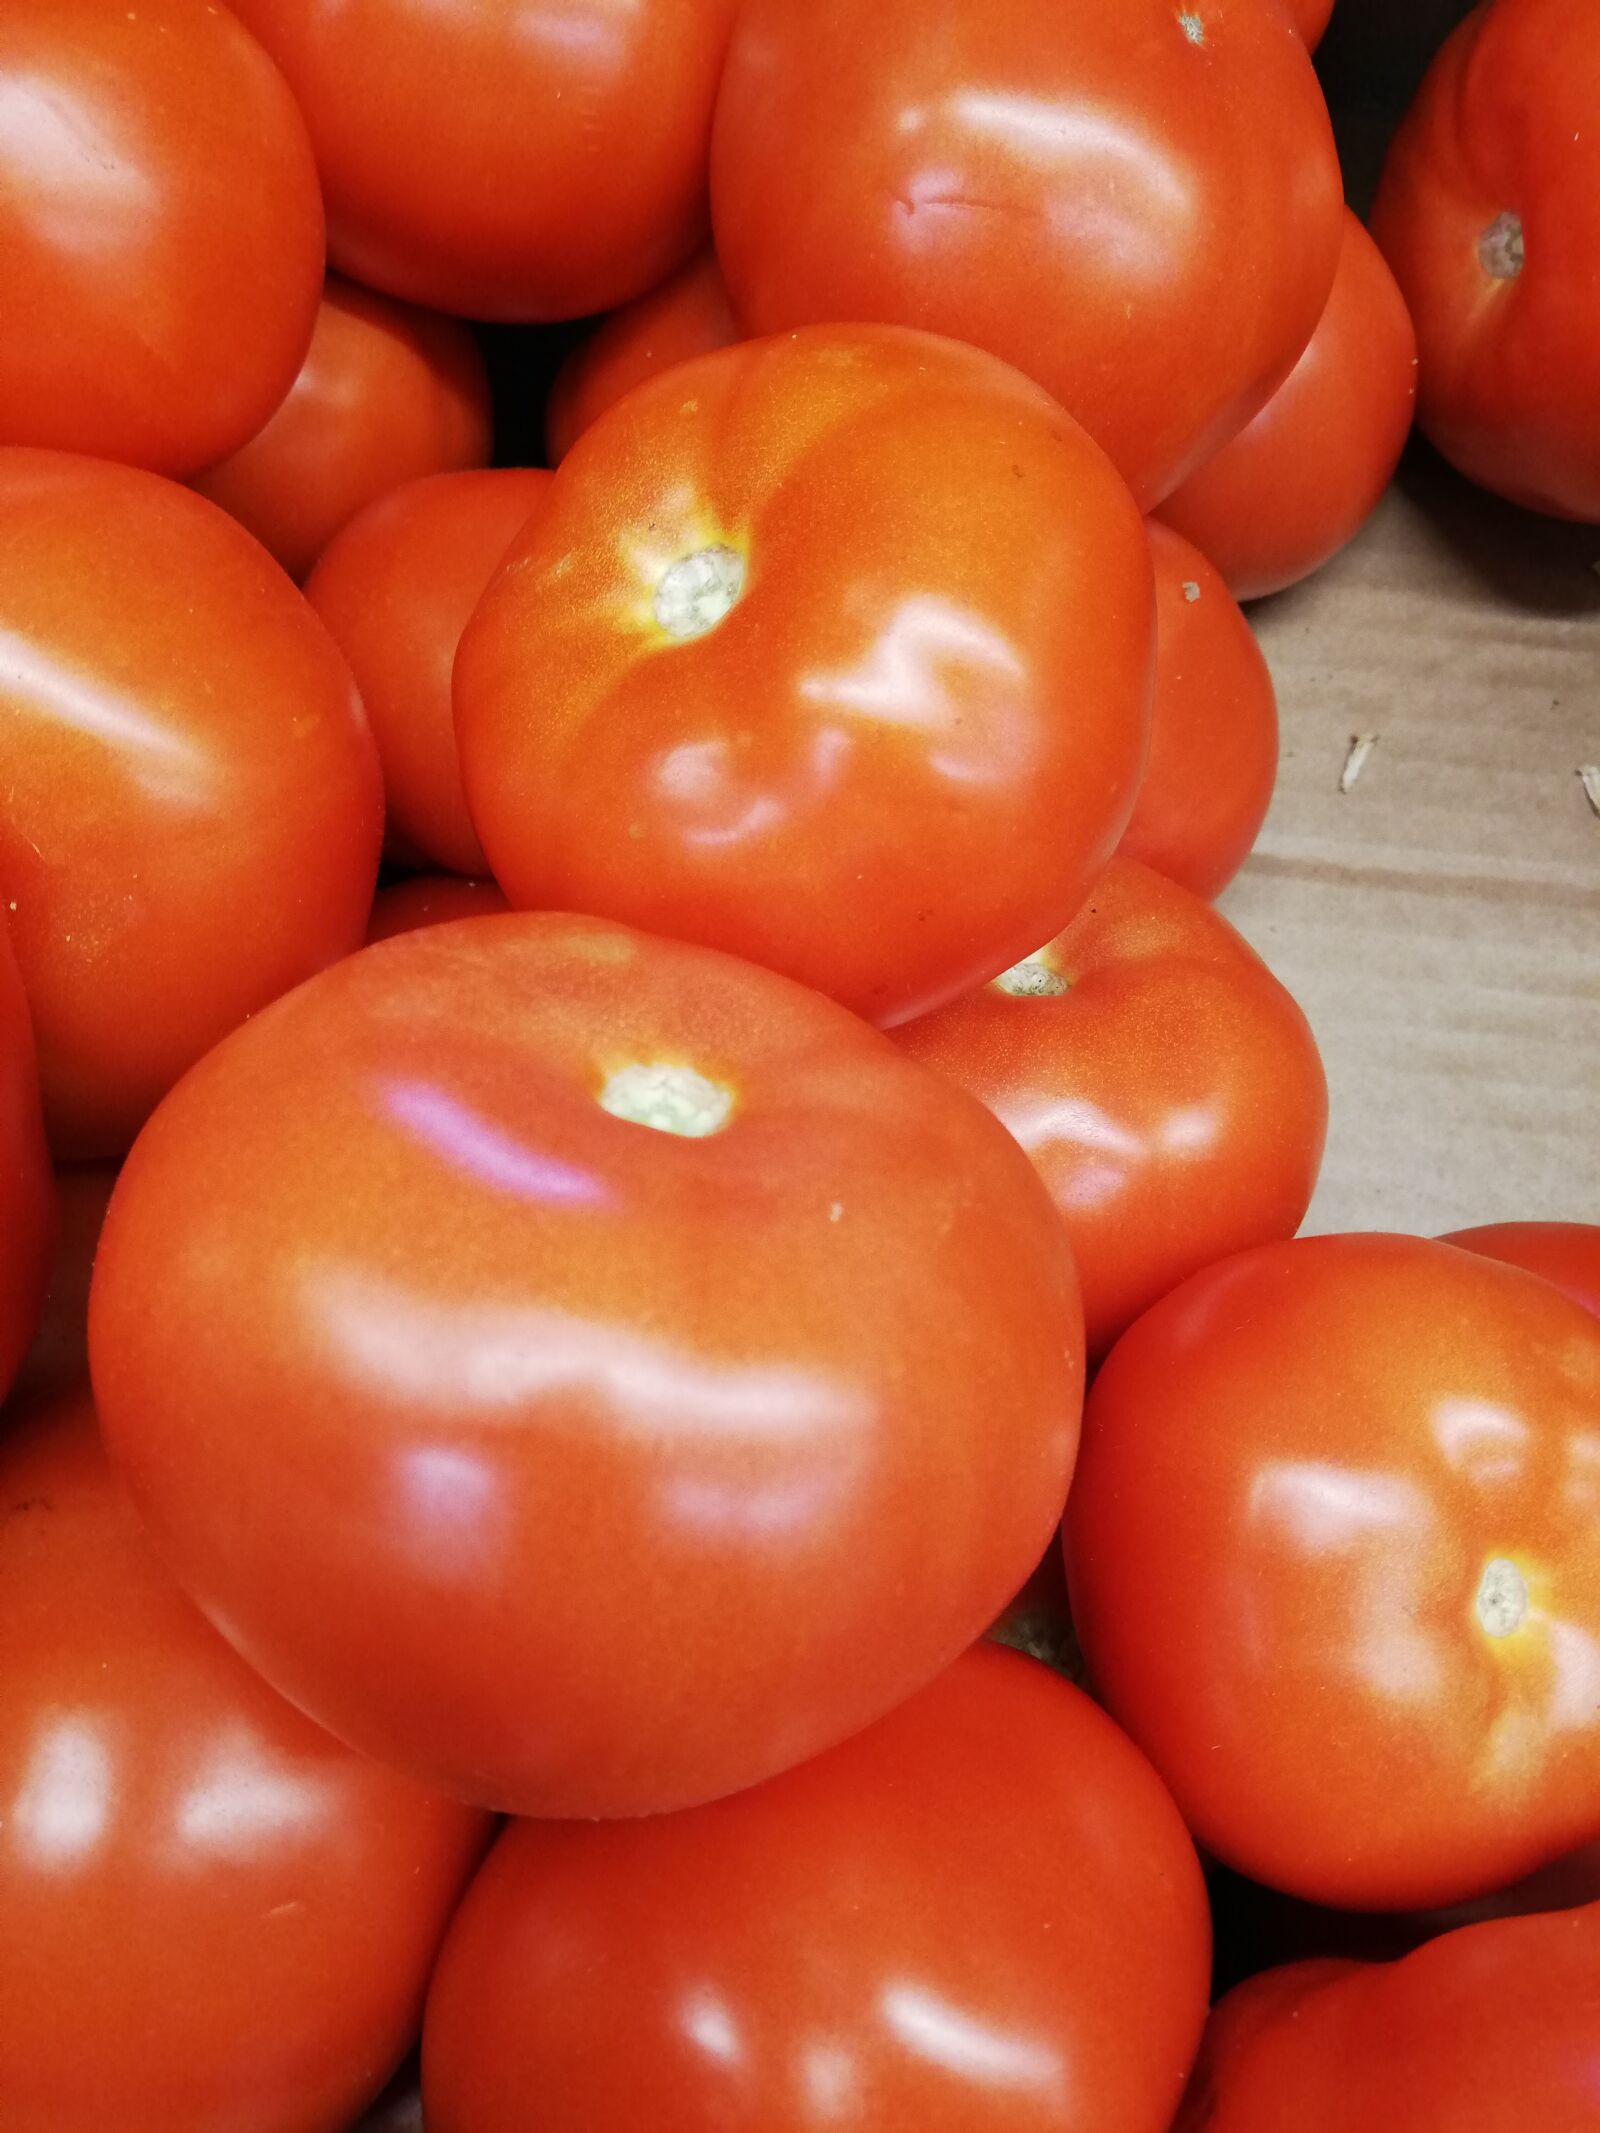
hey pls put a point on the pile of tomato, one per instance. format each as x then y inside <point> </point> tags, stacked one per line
<point>664,1425</point>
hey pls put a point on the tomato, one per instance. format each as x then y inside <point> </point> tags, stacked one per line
<point>833,651</point>
<point>1488,2027</point>
<point>27,1198</point>
<point>215,1915</point>
<point>1138,205</point>
<point>160,226</point>
<point>1332,1562</point>
<point>637,1376</point>
<point>510,159</point>
<point>59,1356</point>
<point>984,1911</point>
<point>1285,495</point>
<point>1213,728</point>
<point>386,393</point>
<point>1489,213</point>
<point>430,900</point>
<point>1164,1084</point>
<point>689,315</point>
<point>1311,18</point>
<point>192,805</point>
<point>1567,1253</point>
<point>395,590</point>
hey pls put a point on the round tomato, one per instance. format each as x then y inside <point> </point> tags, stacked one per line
<point>689,315</point>
<point>1300,481</point>
<point>1567,1253</point>
<point>1489,213</point>
<point>509,159</point>
<point>1164,1084</point>
<point>1213,728</point>
<point>1138,205</point>
<point>27,1198</point>
<point>59,1356</point>
<point>1332,1559</point>
<point>386,393</point>
<point>983,1911</point>
<point>1489,2027</point>
<point>215,1915</point>
<point>395,590</point>
<point>192,803</point>
<point>431,900</point>
<point>637,1376</point>
<point>833,651</point>
<point>160,226</point>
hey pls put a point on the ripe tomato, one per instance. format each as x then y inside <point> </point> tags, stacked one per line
<point>637,1375</point>
<point>983,1911</point>
<point>1488,2027</point>
<point>395,590</point>
<point>59,1356</point>
<point>160,226</point>
<point>832,650</point>
<point>430,900</point>
<point>506,158</point>
<point>1213,728</point>
<point>215,1915</point>
<point>1138,205</point>
<point>1489,213</point>
<point>1164,1084</point>
<point>1332,1561</point>
<point>27,1198</point>
<point>1290,490</point>
<point>689,315</point>
<point>1567,1253</point>
<point>387,393</point>
<point>192,803</point>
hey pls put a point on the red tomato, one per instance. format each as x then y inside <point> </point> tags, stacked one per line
<point>1164,1084</point>
<point>192,802</point>
<point>27,1199</point>
<point>387,393</point>
<point>160,226</point>
<point>395,590</point>
<point>687,316</point>
<point>1213,728</point>
<point>215,1915</point>
<point>1490,2027</point>
<point>59,1356</point>
<point>637,1375</point>
<point>506,158</point>
<point>1289,491</point>
<point>1567,1253</point>
<point>1138,205</point>
<point>1489,213</point>
<point>984,1911</point>
<point>430,900</point>
<point>833,651</point>
<point>1332,1561</point>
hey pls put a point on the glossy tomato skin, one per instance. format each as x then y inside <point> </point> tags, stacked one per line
<point>983,1911</point>
<point>161,229</point>
<point>689,315</point>
<point>431,900</point>
<point>1487,2027</point>
<point>506,159</point>
<point>58,1357</point>
<point>1213,728</point>
<point>1138,205</point>
<point>1299,482</point>
<point>1488,211</point>
<point>1331,1555</point>
<point>387,393</point>
<point>27,1197</point>
<point>1164,1084</point>
<point>192,805</point>
<point>896,763</point>
<point>1567,1253</point>
<point>216,1916</point>
<point>395,591</point>
<point>546,1427</point>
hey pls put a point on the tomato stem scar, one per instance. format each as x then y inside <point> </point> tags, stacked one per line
<point>1501,251</point>
<point>669,1099</point>
<point>697,591</point>
<point>1032,980</point>
<point>1502,1602</point>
